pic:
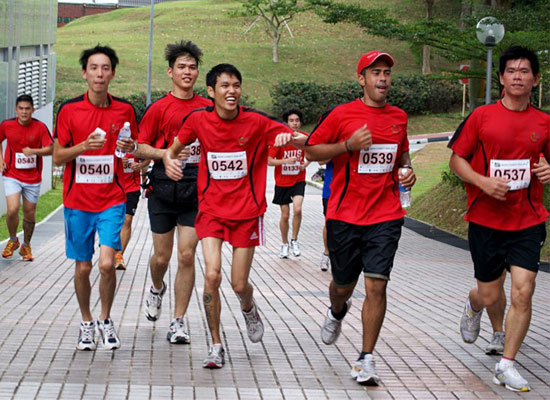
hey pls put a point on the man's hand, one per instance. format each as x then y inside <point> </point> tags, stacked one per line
<point>94,141</point>
<point>172,167</point>
<point>495,187</point>
<point>185,153</point>
<point>296,139</point>
<point>28,151</point>
<point>290,160</point>
<point>126,145</point>
<point>125,162</point>
<point>3,166</point>
<point>542,171</point>
<point>408,178</point>
<point>361,139</point>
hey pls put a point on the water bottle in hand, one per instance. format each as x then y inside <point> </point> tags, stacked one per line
<point>404,193</point>
<point>124,133</point>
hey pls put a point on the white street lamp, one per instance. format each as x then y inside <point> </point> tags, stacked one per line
<point>489,32</point>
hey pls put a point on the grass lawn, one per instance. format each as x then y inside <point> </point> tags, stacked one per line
<point>47,203</point>
<point>428,164</point>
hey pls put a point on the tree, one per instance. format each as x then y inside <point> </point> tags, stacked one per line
<point>275,15</point>
<point>426,67</point>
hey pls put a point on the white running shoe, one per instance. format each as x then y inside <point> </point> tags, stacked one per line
<point>107,333</point>
<point>330,331</point>
<point>364,371</point>
<point>153,303</point>
<point>325,262</point>
<point>254,324</point>
<point>496,346</point>
<point>215,358</point>
<point>470,323</point>
<point>295,248</point>
<point>284,251</point>
<point>177,333</point>
<point>511,379</point>
<point>86,336</point>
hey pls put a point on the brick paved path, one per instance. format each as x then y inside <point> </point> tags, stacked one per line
<point>420,354</point>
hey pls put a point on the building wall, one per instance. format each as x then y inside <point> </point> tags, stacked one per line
<point>67,12</point>
<point>27,64</point>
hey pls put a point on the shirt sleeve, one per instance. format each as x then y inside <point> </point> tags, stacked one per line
<point>326,130</point>
<point>273,151</point>
<point>62,127</point>
<point>2,132</point>
<point>464,140</point>
<point>45,136</point>
<point>273,128</point>
<point>187,133</point>
<point>149,127</point>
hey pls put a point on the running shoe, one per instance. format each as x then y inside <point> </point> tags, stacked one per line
<point>325,262</point>
<point>86,336</point>
<point>10,248</point>
<point>254,324</point>
<point>153,303</point>
<point>26,253</point>
<point>332,327</point>
<point>216,357</point>
<point>496,346</point>
<point>295,248</point>
<point>177,333</point>
<point>511,379</point>
<point>284,251</point>
<point>119,261</point>
<point>364,371</point>
<point>107,333</point>
<point>470,323</point>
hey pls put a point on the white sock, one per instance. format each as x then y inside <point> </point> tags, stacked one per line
<point>504,363</point>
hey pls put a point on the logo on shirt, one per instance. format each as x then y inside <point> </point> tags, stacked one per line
<point>534,137</point>
<point>243,140</point>
<point>395,129</point>
<point>254,236</point>
<point>113,128</point>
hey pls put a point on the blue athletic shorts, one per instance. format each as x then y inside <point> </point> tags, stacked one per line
<point>81,226</point>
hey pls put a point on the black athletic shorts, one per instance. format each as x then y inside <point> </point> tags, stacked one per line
<point>362,248</point>
<point>325,206</point>
<point>132,200</point>
<point>284,194</point>
<point>494,250</point>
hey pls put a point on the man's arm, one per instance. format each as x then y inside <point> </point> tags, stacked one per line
<point>408,179</point>
<point>494,187</point>
<point>172,165</point>
<point>276,162</point>
<point>62,155</point>
<point>148,152</point>
<point>361,139</point>
<point>42,151</point>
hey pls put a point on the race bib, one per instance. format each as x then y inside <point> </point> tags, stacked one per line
<point>94,169</point>
<point>25,162</point>
<point>128,168</point>
<point>195,150</point>
<point>377,159</point>
<point>518,172</point>
<point>291,169</point>
<point>227,165</point>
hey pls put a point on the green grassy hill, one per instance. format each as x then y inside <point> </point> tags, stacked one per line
<point>319,52</point>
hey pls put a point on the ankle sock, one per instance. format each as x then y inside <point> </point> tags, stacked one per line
<point>505,363</point>
<point>363,355</point>
<point>342,313</point>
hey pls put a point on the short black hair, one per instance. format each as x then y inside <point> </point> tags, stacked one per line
<point>291,111</point>
<point>98,49</point>
<point>515,53</point>
<point>25,98</point>
<point>182,48</point>
<point>216,71</point>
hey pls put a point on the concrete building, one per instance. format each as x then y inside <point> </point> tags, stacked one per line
<point>27,64</point>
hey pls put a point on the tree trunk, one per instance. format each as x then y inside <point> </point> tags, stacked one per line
<point>426,62</point>
<point>465,12</point>
<point>275,44</point>
<point>475,94</point>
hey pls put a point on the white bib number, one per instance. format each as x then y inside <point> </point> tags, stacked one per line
<point>377,159</point>
<point>227,165</point>
<point>25,162</point>
<point>195,153</point>
<point>518,172</point>
<point>291,169</point>
<point>94,169</point>
<point>128,168</point>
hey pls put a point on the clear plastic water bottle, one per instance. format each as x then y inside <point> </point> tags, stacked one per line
<point>183,163</point>
<point>404,193</point>
<point>124,133</point>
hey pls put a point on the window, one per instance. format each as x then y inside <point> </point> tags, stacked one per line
<point>59,20</point>
<point>67,20</point>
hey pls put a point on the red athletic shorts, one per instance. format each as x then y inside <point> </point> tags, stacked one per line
<point>239,233</point>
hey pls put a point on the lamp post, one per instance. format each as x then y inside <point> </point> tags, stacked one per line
<point>489,32</point>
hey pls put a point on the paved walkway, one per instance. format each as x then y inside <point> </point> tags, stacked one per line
<point>420,354</point>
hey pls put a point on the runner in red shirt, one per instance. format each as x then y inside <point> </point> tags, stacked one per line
<point>28,140</point>
<point>86,134</point>
<point>367,142</point>
<point>172,205</point>
<point>231,186</point>
<point>496,151</point>
<point>290,182</point>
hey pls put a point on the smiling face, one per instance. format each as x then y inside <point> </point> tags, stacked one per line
<point>226,95</point>
<point>23,111</point>
<point>184,73</point>
<point>376,82</point>
<point>98,73</point>
<point>518,79</point>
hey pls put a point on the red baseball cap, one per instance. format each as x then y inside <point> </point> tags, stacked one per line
<point>367,59</point>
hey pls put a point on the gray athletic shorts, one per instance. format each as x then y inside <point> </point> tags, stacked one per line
<point>31,191</point>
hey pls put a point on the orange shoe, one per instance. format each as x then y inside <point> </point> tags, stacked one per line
<point>119,261</point>
<point>10,248</point>
<point>26,253</point>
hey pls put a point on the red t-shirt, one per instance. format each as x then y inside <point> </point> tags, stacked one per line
<point>288,175</point>
<point>131,178</point>
<point>233,166</point>
<point>162,121</point>
<point>493,132</point>
<point>364,189</point>
<point>34,135</point>
<point>94,180</point>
